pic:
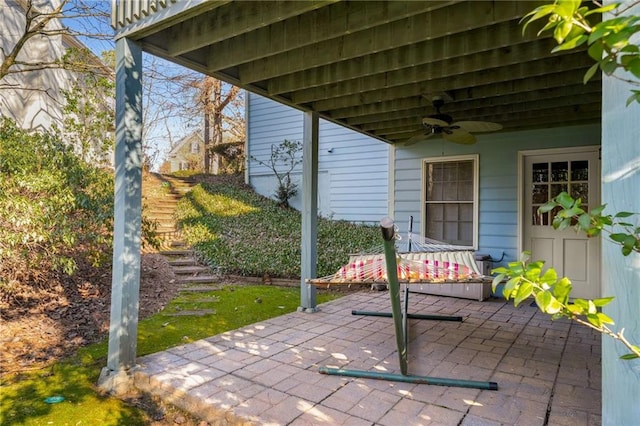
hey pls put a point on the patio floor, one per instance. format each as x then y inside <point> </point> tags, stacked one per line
<point>548,372</point>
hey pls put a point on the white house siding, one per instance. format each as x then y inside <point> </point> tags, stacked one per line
<point>32,99</point>
<point>498,186</point>
<point>353,178</point>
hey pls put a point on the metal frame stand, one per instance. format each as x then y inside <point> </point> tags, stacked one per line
<point>400,317</point>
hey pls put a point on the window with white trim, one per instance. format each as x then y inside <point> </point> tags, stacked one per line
<point>451,200</point>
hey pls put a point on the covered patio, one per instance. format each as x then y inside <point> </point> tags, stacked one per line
<point>548,372</point>
<point>375,67</point>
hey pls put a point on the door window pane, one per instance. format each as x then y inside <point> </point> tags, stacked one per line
<point>550,179</point>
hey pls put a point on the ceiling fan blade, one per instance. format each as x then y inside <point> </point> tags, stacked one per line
<point>434,122</point>
<point>419,137</point>
<point>478,126</point>
<point>459,136</point>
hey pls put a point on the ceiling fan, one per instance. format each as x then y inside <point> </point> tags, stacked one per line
<point>442,124</point>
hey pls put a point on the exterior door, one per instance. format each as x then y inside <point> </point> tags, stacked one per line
<point>572,254</point>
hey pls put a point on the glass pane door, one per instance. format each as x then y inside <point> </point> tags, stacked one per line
<point>549,179</point>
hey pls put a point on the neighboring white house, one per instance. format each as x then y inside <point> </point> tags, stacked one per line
<point>353,169</point>
<point>34,97</point>
<point>186,154</point>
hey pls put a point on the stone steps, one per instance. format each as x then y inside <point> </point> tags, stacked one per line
<point>190,269</point>
<point>191,275</point>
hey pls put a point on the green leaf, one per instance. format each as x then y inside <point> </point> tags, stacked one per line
<point>535,14</point>
<point>562,31</point>
<point>550,276</point>
<point>597,211</point>
<point>559,223</point>
<point>635,97</point>
<point>574,211</point>
<point>575,309</point>
<point>496,280</point>
<point>598,31</point>
<point>565,200</point>
<point>590,72</point>
<point>562,289</point>
<point>595,51</point>
<point>547,303</point>
<point>633,66</point>
<point>547,207</point>
<point>608,65</point>
<point>584,304</point>
<point>584,221</point>
<point>571,44</point>
<point>567,8</point>
<point>629,356</point>
<point>605,319</point>
<point>510,287</point>
<point>524,291</point>
<point>603,9</point>
<point>603,301</point>
<point>618,237</point>
<point>594,319</point>
<point>628,244</point>
<point>623,214</point>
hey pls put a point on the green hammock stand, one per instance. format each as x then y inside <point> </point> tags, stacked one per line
<point>400,317</point>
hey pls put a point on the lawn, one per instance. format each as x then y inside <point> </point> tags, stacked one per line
<point>23,398</point>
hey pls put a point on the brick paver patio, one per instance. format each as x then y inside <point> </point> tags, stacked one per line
<point>548,372</point>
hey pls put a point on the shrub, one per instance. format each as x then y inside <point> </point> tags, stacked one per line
<point>54,208</point>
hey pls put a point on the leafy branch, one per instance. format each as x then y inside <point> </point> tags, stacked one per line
<point>526,279</point>
<point>609,40</point>
<point>551,294</point>
<point>569,212</point>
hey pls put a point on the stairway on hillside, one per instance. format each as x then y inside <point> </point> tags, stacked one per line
<point>161,196</point>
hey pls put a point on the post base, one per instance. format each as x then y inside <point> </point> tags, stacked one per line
<point>116,382</point>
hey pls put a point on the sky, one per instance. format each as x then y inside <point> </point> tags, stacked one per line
<point>163,132</point>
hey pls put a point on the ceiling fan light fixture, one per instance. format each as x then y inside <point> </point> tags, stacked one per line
<point>458,132</point>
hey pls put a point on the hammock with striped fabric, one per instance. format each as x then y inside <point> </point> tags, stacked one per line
<point>419,260</point>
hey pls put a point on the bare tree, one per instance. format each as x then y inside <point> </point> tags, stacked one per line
<point>46,20</point>
<point>41,56</point>
<point>218,110</point>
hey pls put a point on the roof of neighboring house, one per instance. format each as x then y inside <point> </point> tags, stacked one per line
<point>183,142</point>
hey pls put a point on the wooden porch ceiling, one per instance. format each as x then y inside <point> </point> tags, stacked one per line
<point>375,66</point>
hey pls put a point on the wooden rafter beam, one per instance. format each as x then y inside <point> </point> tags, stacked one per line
<point>439,78</point>
<point>361,113</point>
<point>498,45</point>
<point>484,89</point>
<point>322,26</point>
<point>233,21</point>
<point>457,18</point>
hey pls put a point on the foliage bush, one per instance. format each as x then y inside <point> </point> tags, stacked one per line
<point>56,210</point>
<point>53,207</point>
<point>241,232</point>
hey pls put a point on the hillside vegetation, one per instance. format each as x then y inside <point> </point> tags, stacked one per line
<point>243,233</point>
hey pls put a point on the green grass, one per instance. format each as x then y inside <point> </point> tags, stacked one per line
<point>236,230</point>
<point>22,397</point>
<point>243,233</point>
